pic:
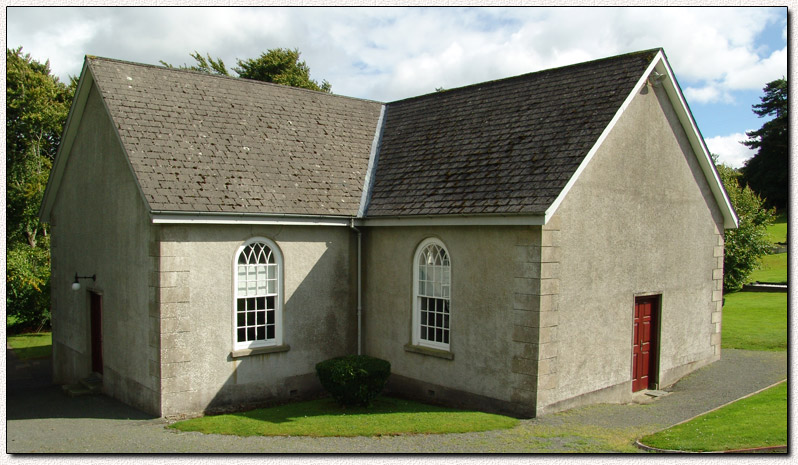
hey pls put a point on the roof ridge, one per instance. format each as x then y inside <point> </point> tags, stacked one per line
<point>652,51</point>
<point>91,58</point>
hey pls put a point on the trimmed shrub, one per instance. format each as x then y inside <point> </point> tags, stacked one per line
<point>353,379</point>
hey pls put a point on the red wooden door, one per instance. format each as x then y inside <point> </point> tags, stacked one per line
<point>643,346</point>
<point>96,306</point>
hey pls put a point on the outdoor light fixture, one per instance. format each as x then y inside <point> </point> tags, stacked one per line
<point>76,284</point>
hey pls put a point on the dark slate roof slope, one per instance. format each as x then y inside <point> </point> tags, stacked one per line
<point>201,143</point>
<point>501,147</point>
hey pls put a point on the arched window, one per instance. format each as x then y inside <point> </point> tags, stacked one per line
<point>431,295</point>
<point>258,294</point>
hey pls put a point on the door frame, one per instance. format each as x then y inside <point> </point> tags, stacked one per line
<point>96,331</point>
<point>654,352</point>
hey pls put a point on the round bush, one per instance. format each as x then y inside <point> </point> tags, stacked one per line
<point>353,379</point>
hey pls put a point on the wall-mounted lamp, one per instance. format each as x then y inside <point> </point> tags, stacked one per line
<point>76,284</point>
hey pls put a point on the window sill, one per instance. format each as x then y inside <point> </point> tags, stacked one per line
<point>445,354</point>
<point>259,350</point>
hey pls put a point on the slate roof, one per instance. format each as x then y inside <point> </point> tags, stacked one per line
<point>500,147</point>
<point>200,143</point>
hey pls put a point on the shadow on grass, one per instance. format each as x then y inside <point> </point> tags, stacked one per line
<point>329,407</point>
<point>31,345</point>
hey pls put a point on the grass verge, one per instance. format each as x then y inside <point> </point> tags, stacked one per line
<point>777,232</point>
<point>31,345</point>
<point>757,421</point>
<point>755,321</point>
<point>324,417</point>
<point>774,269</point>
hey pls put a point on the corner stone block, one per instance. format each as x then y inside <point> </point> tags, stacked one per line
<point>170,249</point>
<point>549,286</point>
<point>547,366</point>
<point>548,303</point>
<point>549,254</point>
<point>714,340</point>
<point>523,396</point>
<point>548,334</point>
<point>170,355</point>
<point>173,264</point>
<point>173,278</point>
<point>153,249</point>
<point>175,370</point>
<point>174,294</point>
<point>550,270</point>
<point>717,296</point>
<point>717,274</point>
<point>526,382</point>
<point>524,366</point>
<point>550,238</point>
<point>526,318</point>
<point>527,269</point>
<point>530,236</point>
<point>548,350</point>
<point>716,317</point>
<point>548,381</point>
<point>527,253</point>
<point>178,384</point>
<point>174,310</point>
<point>526,350</point>
<point>175,325</point>
<point>718,251</point>
<point>529,302</point>
<point>525,334</point>
<point>527,285</point>
<point>549,319</point>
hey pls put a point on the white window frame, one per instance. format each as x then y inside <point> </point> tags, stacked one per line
<point>417,297</point>
<point>278,298</point>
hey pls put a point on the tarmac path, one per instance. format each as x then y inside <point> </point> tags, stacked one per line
<point>41,418</point>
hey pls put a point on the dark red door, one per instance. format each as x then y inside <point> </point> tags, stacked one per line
<point>96,332</point>
<point>643,346</point>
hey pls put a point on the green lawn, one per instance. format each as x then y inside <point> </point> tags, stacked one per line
<point>757,421</point>
<point>31,345</point>
<point>777,232</point>
<point>323,417</point>
<point>774,269</point>
<point>755,321</point>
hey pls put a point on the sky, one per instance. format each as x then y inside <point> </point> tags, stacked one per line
<point>722,56</point>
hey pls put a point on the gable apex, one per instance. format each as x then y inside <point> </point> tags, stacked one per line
<point>659,72</point>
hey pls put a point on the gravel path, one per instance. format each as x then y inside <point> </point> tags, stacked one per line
<point>45,420</point>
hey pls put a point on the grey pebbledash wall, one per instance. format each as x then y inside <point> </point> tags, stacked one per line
<point>195,284</point>
<point>640,220</point>
<point>100,226</point>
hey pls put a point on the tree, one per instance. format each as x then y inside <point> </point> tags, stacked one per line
<point>767,171</point>
<point>37,105</point>
<point>749,242</point>
<point>279,66</point>
<point>204,65</point>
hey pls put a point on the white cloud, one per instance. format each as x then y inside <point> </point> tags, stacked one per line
<point>390,53</point>
<point>729,149</point>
